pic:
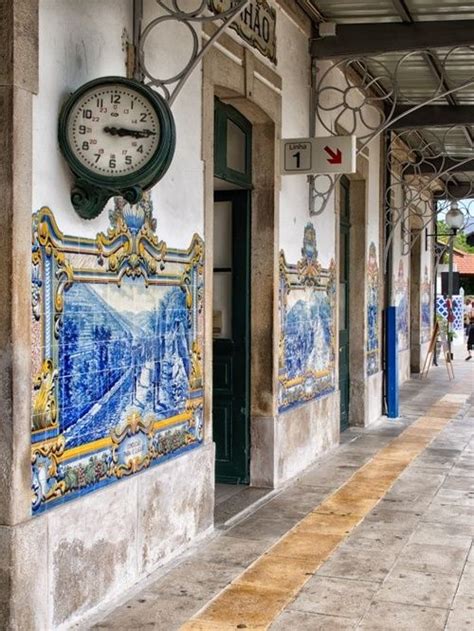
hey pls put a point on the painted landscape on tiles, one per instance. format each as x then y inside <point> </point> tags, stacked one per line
<point>401,302</point>
<point>426,312</point>
<point>373,351</point>
<point>307,313</point>
<point>117,353</point>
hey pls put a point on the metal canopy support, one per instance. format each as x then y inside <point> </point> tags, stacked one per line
<point>192,18</point>
<point>373,39</point>
<point>441,164</point>
<point>433,116</point>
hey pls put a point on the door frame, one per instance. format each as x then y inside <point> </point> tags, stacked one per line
<point>225,77</point>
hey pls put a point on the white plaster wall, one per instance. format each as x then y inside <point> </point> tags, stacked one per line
<point>294,69</point>
<point>80,40</point>
<point>74,47</point>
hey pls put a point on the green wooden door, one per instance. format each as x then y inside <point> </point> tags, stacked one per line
<point>344,262</point>
<point>231,317</point>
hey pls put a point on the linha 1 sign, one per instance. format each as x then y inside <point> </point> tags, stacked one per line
<point>333,154</point>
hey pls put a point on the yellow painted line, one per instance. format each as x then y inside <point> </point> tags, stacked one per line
<point>256,597</point>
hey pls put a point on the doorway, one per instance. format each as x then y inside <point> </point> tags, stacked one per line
<point>231,297</point>
<point>344,301</point>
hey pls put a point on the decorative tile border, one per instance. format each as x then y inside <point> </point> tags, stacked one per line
<point>117,356</point>
<point>373,345</point>
<point>307,326</point>
<point>426,310</point>
<point>401,302</point>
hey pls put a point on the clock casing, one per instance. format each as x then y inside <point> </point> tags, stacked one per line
<point>118,137</point>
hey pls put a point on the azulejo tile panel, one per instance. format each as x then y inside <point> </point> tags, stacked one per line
<point>373,350</point>
<point>117,353</point>
<point>401,302</point>
<point>307,326</point>
<point>426,310</point>
<point>442,310</point>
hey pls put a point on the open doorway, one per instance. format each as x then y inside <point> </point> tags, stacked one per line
<point>231,300</point>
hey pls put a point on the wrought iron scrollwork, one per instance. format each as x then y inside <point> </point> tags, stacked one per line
<point>192,19</point>
<point>361,96</point>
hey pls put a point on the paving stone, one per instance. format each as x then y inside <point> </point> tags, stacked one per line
<point>462,516</point>
<point>451,496</point>
<point>335,596</point>
<point>299,621</point>
<point>397,617</point>
<point>358,564</point>
<point>448,534</point>
<point>268,529</point>
<point>406,556</point>
<point>458,483</point>
<point>433,558</point>
<point>405,585</point>
<point>465,594</point>
<point>460,619</point>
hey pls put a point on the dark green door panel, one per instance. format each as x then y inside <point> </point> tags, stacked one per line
<point>344,271</point>
<point>231,365</point>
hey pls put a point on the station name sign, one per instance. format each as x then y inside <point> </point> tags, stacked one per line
<point>255,24</point>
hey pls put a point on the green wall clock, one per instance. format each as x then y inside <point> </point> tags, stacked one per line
<point>118,138</point>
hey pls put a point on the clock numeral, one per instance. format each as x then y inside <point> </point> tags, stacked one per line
<point>95,119</point>
<point>97,156</point>
<point>82,129</point>
<point>115,98</point>
<point>112,163</point>
<point>126,111</point>
<point>103,110</point>
<point>100,103</point>
<point>86,113</point>
<point>140,149</point>
<point>85,146</point>
<point>128,159</point>
<point>143,118</point>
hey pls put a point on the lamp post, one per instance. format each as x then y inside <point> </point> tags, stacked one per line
<point>454,220</point>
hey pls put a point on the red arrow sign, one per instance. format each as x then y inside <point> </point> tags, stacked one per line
<point>335,156</point>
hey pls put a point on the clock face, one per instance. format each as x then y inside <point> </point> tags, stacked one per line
<point>113,130</point>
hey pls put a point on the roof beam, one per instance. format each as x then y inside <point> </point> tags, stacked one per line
<point>372,39</point>
<point>433,116</point>
<point>433,166</point>
<point>456,191</point>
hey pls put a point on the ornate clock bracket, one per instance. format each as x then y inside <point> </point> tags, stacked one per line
<point>89,200</point>
<point>226,12</point>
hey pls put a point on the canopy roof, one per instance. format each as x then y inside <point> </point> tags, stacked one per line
<point>419,51</point>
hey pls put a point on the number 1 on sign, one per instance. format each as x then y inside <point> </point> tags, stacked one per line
<point>297,156</point>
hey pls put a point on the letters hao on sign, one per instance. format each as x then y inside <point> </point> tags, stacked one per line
<point>255,24</point>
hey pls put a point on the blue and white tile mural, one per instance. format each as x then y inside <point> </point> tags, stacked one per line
<point>401,302</point>
<point>117,353</point>
<point>442,310</point>
<point>426,311</point>
<point>373,351</point>
<point>307,327</point>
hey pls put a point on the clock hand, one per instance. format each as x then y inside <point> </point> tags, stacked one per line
<point>135,133</point>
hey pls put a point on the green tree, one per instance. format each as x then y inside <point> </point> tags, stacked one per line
<point>459,239</point>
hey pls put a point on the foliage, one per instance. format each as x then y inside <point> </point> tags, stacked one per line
<point>459,240</point>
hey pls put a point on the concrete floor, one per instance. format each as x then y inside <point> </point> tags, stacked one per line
<point>409,564</point>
